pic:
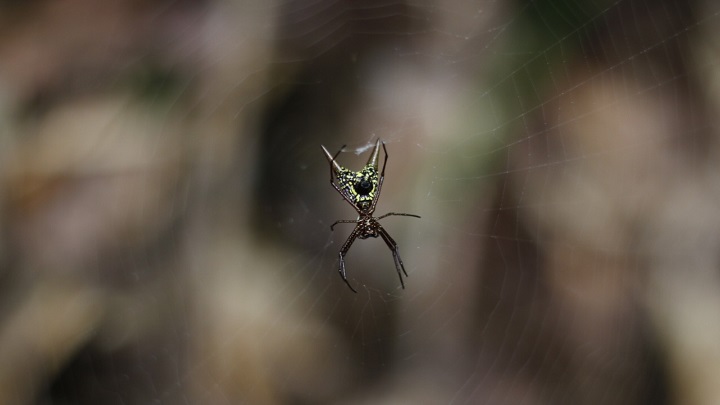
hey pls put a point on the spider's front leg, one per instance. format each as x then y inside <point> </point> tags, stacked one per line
<point>341,256</point>
<point>389,214</point>
<point>343,221</point>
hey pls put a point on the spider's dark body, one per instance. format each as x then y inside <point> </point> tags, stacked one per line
<point>362,190</point>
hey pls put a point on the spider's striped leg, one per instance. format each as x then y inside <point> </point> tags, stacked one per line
<point>334,166</point>
<point>343,221</point>
<point>397,213</point>
<point>382,175</point>
<point>341,255</point>
<point>335,170</point>
<point>394,248</point>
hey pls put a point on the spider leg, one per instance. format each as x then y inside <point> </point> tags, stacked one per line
<point>332,162</point>
<point>380,181</point>
<point>341,255</point>
<point>343,221</point>
<point>382,174</point>
<point>397,213</point>
<point>332,170</point>
<point>394,248</point>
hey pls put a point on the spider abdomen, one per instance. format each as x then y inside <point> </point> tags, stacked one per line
<point>363,187</point>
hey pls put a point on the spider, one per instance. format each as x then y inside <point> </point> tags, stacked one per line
<point>362,190</point>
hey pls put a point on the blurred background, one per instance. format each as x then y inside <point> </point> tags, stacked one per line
<point>165,206</point>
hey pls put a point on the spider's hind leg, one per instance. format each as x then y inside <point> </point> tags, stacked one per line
<point>342,272</point>
<point>341,256</point>
<point>399,266</point>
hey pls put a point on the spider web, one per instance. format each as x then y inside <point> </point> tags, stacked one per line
<point>167,208</point>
